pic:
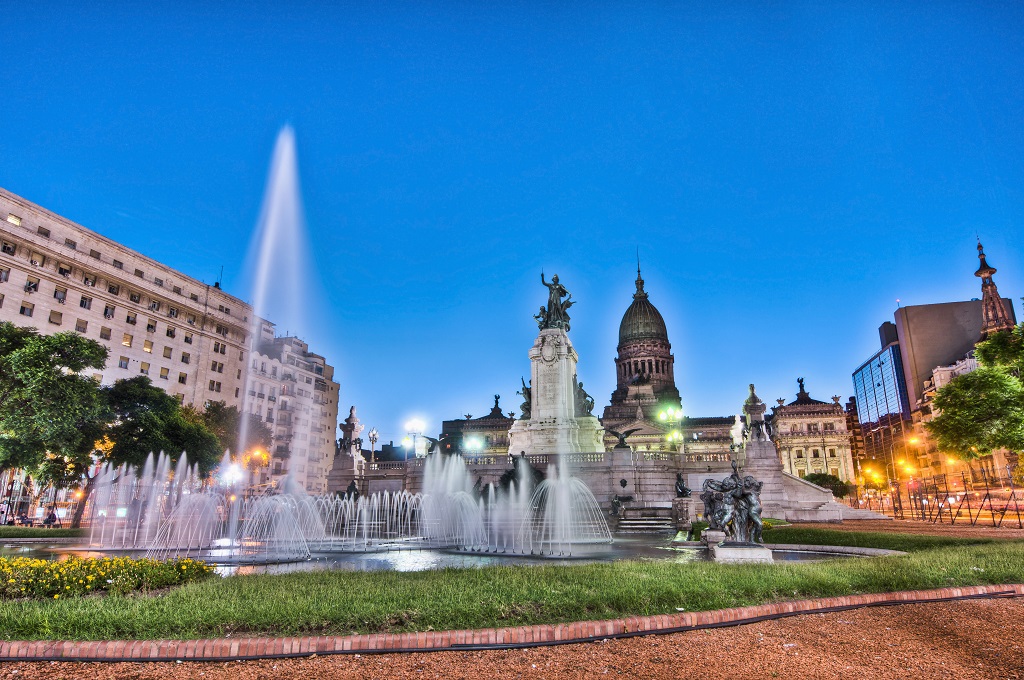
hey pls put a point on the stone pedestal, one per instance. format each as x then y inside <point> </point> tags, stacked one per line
<point>738,553</point>
<point>553,427</point>
<point>682,513</point>
<point>710,537</point>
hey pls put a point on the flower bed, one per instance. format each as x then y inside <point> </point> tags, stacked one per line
<point>23,577</point>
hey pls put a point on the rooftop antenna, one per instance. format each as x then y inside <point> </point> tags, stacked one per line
<point>220,277</point>
<point>638,261</point>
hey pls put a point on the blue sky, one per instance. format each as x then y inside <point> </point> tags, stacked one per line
<point>786,171</point>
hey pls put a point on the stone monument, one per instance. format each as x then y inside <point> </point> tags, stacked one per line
<point>732,508</point>
<point>556,412</point>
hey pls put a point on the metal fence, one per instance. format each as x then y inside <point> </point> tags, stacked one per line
<point>972,498</point>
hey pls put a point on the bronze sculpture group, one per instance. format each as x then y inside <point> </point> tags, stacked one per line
<point>733,505</point>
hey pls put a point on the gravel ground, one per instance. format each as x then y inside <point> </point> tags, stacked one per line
<point>962,640</point>
<point>1009,529</point>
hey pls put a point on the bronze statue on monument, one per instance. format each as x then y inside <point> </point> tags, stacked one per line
<point>556,314</point>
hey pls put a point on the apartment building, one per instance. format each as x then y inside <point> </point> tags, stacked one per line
<point>294,392</point>
<point>189,337</point>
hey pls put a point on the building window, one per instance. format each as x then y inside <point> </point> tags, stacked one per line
<point>831,453</point>
<point>147,346</point>
<point>151,326</point>
<point>85,302</point>
<point>171,332</point>
<point>60,294</point>
<point>830,427</point>
<point>185,358</point>
<point>26,308</point>
<point>167,352</point>
<point>135,297</point>
<point>144,368</point>
<point>799,453</point>
<point>56,317</point>
<point>159,282</point>
<point>154,305</point>
<point>70,244</point>
<point>32,285</point>
<point>194,297</point>
<point>177,289</point>
<point>113,289</point>
<point>812,427</point>
<point>1,301</point>
<point>172,312</point>
<point>104,333</point>
<point>222,330</point>
<point>64,270</point>
<point>236,393</point>
<point>214,386</point>
<point>89,280</point>
<point>5,274</point>
<point>108,311</point>
<point>138,272</point>
<point>131,319</point>
<point>183,378</point>
<point>14,219</point>
<point>815,453</point>
<point>122,362</point>
<point>7,248</point>
<point>188,338</point>
<point>126,340</point>
<point>81,325</point>
<point>163,373</point>
<point>97,378</point>
<point>95,254</point>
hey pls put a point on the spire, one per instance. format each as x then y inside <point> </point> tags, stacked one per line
<point>640,293</point>
<point>994,316</point>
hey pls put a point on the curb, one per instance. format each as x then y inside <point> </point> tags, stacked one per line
<point>226,649</point>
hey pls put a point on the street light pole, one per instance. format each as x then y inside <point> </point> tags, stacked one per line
<point>373,434</point>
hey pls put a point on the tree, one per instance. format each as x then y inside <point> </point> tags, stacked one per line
<point>838,487</point>
<point>148,420</point>
<point>48,411</point>
<point>979,412</point>
<point>1003,350</point>
<point>226,423</point>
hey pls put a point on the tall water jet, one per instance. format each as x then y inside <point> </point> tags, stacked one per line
<point>280,272</point>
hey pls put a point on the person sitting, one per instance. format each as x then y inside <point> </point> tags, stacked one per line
<point>51,519</point>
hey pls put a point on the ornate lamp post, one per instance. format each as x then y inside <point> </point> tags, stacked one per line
<point>373,434</point>
<point>673,417</point>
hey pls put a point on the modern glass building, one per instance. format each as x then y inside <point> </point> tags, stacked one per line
<point>881,388</point>
<point>883,406</point>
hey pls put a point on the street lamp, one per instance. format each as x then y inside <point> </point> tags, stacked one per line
<point>415,428</point>
<point>673,417</point>
<point>372,436</point>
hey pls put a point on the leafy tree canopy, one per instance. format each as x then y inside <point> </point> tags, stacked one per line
<point>838,487</point>
<point>979,412</point>
<point>1004,350</point>
<point>48,410</point>
<point>226,423</point>
<point>148,420</point>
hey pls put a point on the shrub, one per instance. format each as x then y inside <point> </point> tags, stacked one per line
<point>23,577</point>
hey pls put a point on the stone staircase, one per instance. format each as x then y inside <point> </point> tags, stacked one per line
<point>645,525</point>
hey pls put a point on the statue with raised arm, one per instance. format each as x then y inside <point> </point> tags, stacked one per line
<point>527,406</point>
<point>556,315</point>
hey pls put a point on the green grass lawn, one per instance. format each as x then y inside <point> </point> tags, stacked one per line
<point>37,532</point>
<point>346,602</point>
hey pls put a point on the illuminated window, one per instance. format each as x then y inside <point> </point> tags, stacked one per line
<point>104,333</point>
<point>14,219</point>
<point>147,346</point>
<point>127,340</point>
<point>163,373</point>
<point>56,317</point>
<point>144,368</point>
